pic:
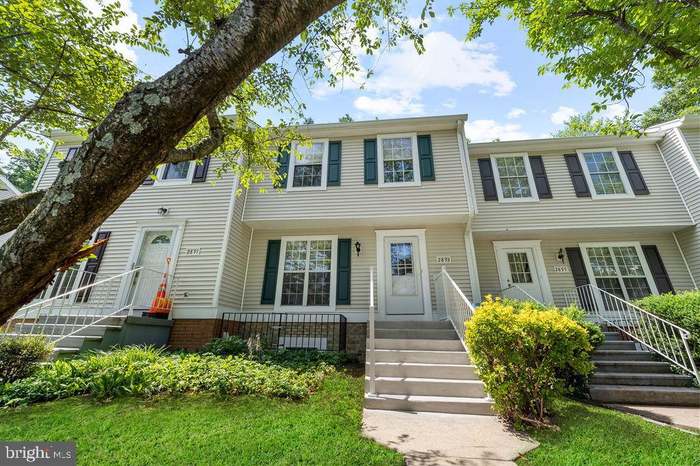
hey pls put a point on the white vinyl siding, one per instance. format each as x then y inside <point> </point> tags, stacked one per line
<point>233,275</point>
<point>692,136</point>
<point>355,199</point>
<point>662,207</point>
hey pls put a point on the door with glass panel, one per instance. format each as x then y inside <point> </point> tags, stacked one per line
<point>402,272</point>
<point>306,273</point>
<point>519,274</point>
<point>156,247</point>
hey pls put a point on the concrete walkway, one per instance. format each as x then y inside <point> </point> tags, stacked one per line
<point>678,416</point>
<point>446,439</point>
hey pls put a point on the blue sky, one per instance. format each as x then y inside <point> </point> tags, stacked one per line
<point>494,80</point>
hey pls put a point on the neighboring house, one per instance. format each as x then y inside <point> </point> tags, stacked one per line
<point>7,189</point>
<point>407,197</point>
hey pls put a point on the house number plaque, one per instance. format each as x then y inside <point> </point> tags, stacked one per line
<point>192,252</point>
<point>443,259</point>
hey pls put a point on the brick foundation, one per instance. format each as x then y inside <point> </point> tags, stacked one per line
<point>357,339</point>
<point>192,334</point>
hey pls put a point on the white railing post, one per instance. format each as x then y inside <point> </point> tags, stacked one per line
<point>372,355</point>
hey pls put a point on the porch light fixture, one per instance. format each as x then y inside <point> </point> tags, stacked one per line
<point>560,256</point>
<point>358,247</point>
<point>162,211</point>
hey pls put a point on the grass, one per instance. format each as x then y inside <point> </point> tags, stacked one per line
<point>591,435</point>
<point>244,430</point>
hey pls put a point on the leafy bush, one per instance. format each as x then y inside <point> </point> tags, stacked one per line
<point>304,358</point>
<point>146,372</point>
<point>226,346</point>
<point>577,383</point>
<point>521,350</point>
<point>683,309</point>
<point>19,357</point>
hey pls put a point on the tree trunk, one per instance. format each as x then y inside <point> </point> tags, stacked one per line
<point>138,134</point>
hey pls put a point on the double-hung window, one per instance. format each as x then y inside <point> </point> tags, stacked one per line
<point>307,272</point>
<point>514,180</point>
<point>619,268</point>
<point>308,166</point>
<point>604,173</point>
<point>398,160</point>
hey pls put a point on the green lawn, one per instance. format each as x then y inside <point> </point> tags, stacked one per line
<point>597,436</point>
<point>205,430</point>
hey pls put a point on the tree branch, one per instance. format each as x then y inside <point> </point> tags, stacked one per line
<point>15,209</point>
<point>203,147</point>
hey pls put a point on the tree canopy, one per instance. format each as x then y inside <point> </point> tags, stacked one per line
<point>23,169</point>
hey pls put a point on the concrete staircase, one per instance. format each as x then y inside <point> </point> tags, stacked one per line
<point>423,366</point>
<point>626,374</point>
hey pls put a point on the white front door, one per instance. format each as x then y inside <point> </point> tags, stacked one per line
<point>156,247</point>
<point>520,274</point>
<point>403,290</point>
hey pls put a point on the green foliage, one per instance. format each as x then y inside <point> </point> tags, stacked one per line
<point>345,119</point>
<point>24,167</point>
<point>587,124</point>
<point>683,309</point>
<point>605,45</point>
<point>147,372</point>
<point>226,346</point>
<point>303,358</point>
<point>520,350</point>
<point>682,99</point>
<point>20,357</point>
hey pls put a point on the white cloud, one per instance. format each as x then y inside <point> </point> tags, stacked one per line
<point>129,20</point>
<point>515,113</point>
<point>489,130</point>
<point>562,115</point>
<point>449,103</point>
<point>388,106</point>
<point>615,110</point>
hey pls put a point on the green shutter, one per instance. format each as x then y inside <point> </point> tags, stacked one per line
<point>342,293</point>
<point>333,163</point>
<point>425,158</point>
<point>282,167</point>
<point>270,278</point>
<point>370,161</point>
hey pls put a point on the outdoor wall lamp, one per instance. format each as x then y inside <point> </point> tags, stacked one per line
<point>162,211</point>
<point>358,247</point>
<point>560,256</point>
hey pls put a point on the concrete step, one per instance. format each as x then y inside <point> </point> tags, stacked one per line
<point>433,371</point>
<point>418,344</point>
<point>612,336</point>
<point>648,367</point>
<point>434,404</point>
<point>420,356</point>
<point>413,324</point>
<point>668,396</point>
<point>420,334</point>
<point>641,379</point>
<point>428,387</point>
<point>621,355</point>
<point>618,345</point>
<point>63,329</point>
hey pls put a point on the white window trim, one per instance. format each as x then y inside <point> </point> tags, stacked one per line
<point>608,244</point>
<point>161,172</point>
<point>324,168</point>
<point>416,162</point>
<point>280,274</point>
<point>623,174</point>
<point>530,178</point>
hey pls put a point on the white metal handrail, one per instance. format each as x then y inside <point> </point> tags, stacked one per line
<point>528,296</point>
<point>457,307</point>
<point>656,334</point>
<point>372,356</point>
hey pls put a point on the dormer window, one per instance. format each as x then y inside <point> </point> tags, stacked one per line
<point>308,166</point>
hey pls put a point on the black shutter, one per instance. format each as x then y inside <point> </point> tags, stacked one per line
<point>342,294</point>
<point>92,266</point>
<point>150,179</point>
<point>639,187</point>
<point>334,153</point>
<point>270,278</point>
<point>71,153</point>
<point>488,182</point>
<point>540,176</point>
<point>370,161</point>
<point>577,176</point>
<point>282,167</point>
<point>578,270</point>
<point>425,158</point>
<point>200,171</point>
<point>658,271</point>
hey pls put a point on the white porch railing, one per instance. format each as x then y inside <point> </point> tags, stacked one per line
<point>372,357</point>
<point>658,335</point>
<point>457,307</point>
<point>517,292</point>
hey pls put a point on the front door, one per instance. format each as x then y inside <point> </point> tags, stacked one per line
<point>155,250</point>
<point>402,276</point>
<point>519,273</point>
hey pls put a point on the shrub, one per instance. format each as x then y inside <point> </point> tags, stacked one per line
<point>226,346</point>
<point>520,350</point>
<point>20,356</point>
<point>147,372</point>
<point>306,358</point>
<point>683,309</point>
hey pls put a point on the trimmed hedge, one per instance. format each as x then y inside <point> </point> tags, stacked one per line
<point>521,351</point>
<point>683,309</point>
<point>20,356</point>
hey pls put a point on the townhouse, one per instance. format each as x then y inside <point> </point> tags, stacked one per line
<point>398,201</point>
